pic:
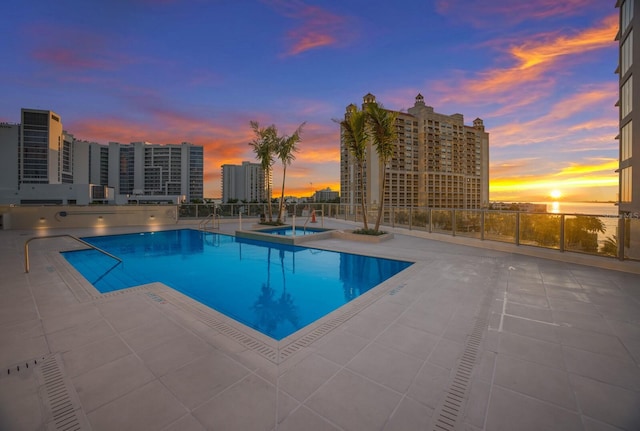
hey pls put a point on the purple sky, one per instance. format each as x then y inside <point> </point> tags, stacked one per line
<point>539,73</point>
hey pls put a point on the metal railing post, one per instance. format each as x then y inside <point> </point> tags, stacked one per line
<point>453,222</point>
<point>517,236</point>
<point>621,236</point>
<point>561,232</point>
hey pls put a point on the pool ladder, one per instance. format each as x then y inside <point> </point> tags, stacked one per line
<point>211,218</point>
<point>26,247</point>
<point>310,216</point>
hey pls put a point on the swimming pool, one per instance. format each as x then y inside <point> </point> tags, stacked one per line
<point>290,231</point>
<point>274,288</point>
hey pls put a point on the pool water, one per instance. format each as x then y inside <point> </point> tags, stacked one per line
<point>276,289</point>
<point>290,231</point>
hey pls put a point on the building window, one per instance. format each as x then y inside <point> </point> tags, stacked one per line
<point>626,15</point>
<point>626,139</point>
<point>626,93</point>
<point>625,185</point>
<point>626,54</point>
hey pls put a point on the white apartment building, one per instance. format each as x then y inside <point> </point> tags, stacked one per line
<point>247,182</point>
<point>149,171</point>
<point>40,163</point>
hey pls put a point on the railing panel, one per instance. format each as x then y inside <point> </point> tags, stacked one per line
<point>442,221</point>
<point>631,238</point>
<point>591,234</point>
<point>468,223</point>
<point>420,219</point>
<point>541,230</point>
<point>500,226</point>
<point>402,218</point>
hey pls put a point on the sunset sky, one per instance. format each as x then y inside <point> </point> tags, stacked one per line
<point>540,73</point>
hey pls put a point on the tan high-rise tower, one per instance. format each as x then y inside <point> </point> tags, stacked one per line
<point>439,162</point>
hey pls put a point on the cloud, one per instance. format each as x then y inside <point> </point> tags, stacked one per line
<point>317,27</point>
<point>553,125</point>
<point>601,166</point>
<point>483,14</point>
<point>72,49</point>
<point>531,63</point>
<point>594,176</point>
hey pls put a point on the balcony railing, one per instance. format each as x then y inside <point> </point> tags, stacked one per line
<point>580,233</point>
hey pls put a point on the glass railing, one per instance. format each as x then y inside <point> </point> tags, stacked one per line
<point>590,234</point>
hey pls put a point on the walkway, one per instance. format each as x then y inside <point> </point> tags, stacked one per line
<point>467,339</point>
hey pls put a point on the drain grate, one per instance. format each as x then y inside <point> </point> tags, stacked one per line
<point>59,398</point>
<point>452,407</point>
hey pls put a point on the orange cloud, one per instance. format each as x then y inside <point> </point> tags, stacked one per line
<point>595,180</point>
<point>318,27</point>
<point>484,13</point>
<point>531,62</point>
<point>605,167</point>
<point>549,127</point>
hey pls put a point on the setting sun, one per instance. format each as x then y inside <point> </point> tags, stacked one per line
<point>555,194</point>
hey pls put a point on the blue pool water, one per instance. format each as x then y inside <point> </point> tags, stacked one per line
<point>289,231</point>
<point>276,289</point>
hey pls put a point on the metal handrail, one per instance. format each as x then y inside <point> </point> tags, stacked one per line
<point>304,227</point>
<point>26,247</point>
<point>204,222</point>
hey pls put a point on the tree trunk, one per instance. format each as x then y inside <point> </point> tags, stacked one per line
<point>362,199</point>
<point>284,174</point>
<point>269,202</point>
<point>381,204</point>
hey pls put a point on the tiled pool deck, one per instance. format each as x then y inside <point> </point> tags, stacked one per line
<point>468,339</point>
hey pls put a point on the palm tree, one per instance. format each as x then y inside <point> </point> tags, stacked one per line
<point>264,147</point>
<point>285,149</point>
<point>384,136</point>
<point>355,135</point>
<point>610,246</point>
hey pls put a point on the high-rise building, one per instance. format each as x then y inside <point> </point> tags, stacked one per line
<point>9,138</point>
<point>247,183</point>
<point>629,135</point>
<point>145,169</point>
<point>38,159</point>
<point>90,162</point>
<point>40,153</point>
<point>438,162</point>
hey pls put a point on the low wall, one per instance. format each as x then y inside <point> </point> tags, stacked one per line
<point>75,216</point>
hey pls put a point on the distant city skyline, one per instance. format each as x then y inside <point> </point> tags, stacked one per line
<point>540,75</point>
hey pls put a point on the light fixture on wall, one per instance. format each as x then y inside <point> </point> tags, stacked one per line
<point>99,217</point>
<point>152,216</point>
<point>42,219</point>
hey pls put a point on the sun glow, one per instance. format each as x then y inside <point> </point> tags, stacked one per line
<point>555,194</point>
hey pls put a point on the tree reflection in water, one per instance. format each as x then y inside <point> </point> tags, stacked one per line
<point>270,310</point>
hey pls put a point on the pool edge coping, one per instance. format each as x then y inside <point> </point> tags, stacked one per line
<point>273,350</point>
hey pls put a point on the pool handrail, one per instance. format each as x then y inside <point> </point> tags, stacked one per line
<point>26,247</point>
<point>210,218</point>
<point>311,214</point>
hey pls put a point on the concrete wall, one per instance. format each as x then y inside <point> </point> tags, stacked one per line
<point>74,216</point>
